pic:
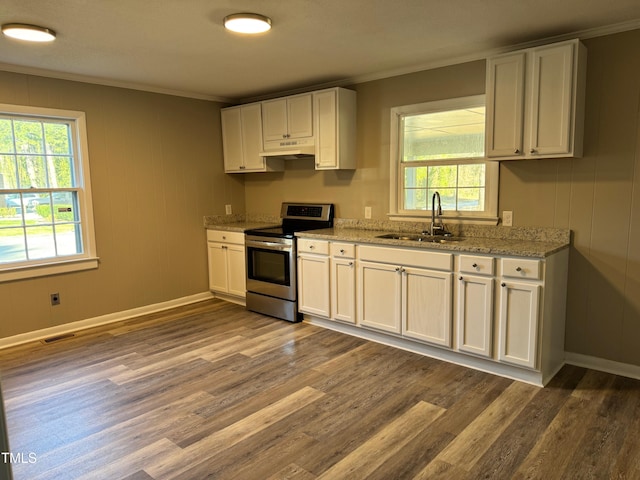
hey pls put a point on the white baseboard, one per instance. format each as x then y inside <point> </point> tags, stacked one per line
<point>603,365</point>
<point>101,320</point>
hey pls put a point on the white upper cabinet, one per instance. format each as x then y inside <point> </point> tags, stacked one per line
<point>334,113</point>
<point>535,102</point>
<point>286,119</point>
<point>242,140</point>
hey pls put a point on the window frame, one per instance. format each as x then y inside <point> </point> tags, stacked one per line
<point>88,259</point>
<point>489,215</point>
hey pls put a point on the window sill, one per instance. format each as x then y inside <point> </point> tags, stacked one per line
<point>462,220</point>
<point>42,270</point>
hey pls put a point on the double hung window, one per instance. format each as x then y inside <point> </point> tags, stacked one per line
<point>46,223</point>
<point>439,147</point>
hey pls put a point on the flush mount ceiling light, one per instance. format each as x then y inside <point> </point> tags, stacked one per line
<point>30,33</point>
<point>247,23</point>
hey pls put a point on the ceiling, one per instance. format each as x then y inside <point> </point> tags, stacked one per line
<point>180,47</point>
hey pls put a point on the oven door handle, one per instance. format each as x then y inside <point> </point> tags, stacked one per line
<point>268,245</point>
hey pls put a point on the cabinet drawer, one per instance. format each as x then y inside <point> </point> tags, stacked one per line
<point>313,246</point>
<point>346,250</point>
<point>521,268</point>
<point>476,265</point>
<point>405,257</point>
<point>225,236</point>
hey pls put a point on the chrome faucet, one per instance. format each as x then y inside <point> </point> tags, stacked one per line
<point>439,226</point>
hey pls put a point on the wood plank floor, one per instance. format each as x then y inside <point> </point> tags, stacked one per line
<point>213,391</point>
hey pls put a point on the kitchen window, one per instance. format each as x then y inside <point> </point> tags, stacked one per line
<point>439,147</point>
<point>46,222</point>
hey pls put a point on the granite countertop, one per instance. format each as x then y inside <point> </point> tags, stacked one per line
<point>469,244</point>
<point>240,226</point>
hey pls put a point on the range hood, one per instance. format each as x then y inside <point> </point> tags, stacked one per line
<point>291,153</point>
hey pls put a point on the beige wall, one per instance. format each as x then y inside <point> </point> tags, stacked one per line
<point>368,185</point>
<point>156,168</point>
<point>597,196</point>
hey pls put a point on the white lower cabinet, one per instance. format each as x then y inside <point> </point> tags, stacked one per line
<point>518,323</point>
<point>426,305</point>
<point>407,296</point>
<point>495,313</point>
<point>313,277</point>
<point>343,282</point>
<point>474,305</point>
<point>474,316</point>
<point>379,296</point>
<point>226,257</point>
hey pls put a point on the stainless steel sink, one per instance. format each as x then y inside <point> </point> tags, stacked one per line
<point>419,237</point>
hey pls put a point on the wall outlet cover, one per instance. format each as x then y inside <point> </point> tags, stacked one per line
<point>507,218</point>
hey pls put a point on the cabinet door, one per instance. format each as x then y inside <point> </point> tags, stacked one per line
<point>300,116</point>
<point>236,270</point>
<point>252,137</point>
<point>518,323</point>
<point>551,100</point>
<point>474,316</point>
<point>232,139</point>
<point>325,104</point>
<point>505,105</point>
<point>426,305</point>
<point>274,120</point>
<point>313,284</point>
<point>217,267</point>
<point>379,296</point>
<point>343,289</point>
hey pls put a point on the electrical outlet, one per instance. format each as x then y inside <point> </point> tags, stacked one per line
<point>367,212</point>
<point>507,218</point>
<point>227,209</point>
<point>55,299</point>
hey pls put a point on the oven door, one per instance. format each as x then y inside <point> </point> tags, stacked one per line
<point>271,266</point>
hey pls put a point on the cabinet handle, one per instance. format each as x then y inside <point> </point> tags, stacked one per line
<point>398,269</point>
<point>311,247</point>
<point>503,284</point>
<point>517,150</point>
<point>518,269</point>
<point>351,264</point>
<point>461,278</point>
<point>475,265</point>
<point>342,250</point>
<point>533,150</point>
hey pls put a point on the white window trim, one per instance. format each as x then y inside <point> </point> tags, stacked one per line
<point>71,263</point>
<point>395,190</point>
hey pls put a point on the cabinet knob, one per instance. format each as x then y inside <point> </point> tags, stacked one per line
<point>533,150</point>
<point>242,167</point>
<point>342,250</point>
<point>398,269</point>
<point>351,264</point>
<point>517,150</point>
<point>518,269</point>
<point>311,247</point>
<point>503,284</point>
<point>475,265</point>
<point>461,278</point>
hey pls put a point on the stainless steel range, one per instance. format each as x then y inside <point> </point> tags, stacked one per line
<point>271,259</point>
